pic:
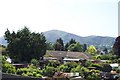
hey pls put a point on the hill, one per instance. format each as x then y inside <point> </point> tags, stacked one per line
<point>52,35</point>
<point>100,41</point>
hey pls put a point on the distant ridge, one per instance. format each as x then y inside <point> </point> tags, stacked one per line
<point>52,35</point>
<point>107,41</point>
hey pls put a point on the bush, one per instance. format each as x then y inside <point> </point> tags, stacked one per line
<point>84,71</point>
<point>77,69</point>
<point>108,57</point>
<point>8,68</point>
<point>20,71</point>
<point>66,67</point>
<point>88,63</point>
<point>48,71</point>
<point>93,76</point>
<point>35,62</point>
<point>30,71</point>
<point>54,63</point>
<point>106,68</point>
<point>39,75</point>
<point>63,68</point>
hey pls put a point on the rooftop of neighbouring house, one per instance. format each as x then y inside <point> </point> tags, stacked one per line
<point>68,54</point>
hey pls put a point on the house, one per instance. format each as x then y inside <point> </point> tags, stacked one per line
<point>61,55</point>
<point>114,65</point>
<point>71,60</point>
<point>20,65</point>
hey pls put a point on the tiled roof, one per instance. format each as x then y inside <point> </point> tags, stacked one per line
<point>62,54</point>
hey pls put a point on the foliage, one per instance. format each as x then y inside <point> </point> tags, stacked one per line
<point>7,67</point>
<point>107,57</point>
<point>83,71</point>
<point>75,47</point>
<point>66,67</point>
<point>48,71</point>
<point>53,63</point>
<point>63,68</point>
<point>88,64</point>
<point>3,50</point>
<point>84,47</point>
<point>59,45</point>
<point>72,41</point>
<point>106,67</point>
<point>30,71</point>
<point>116,46</point>
<point>31,45</point>
<point>118,60</point>
<point>93,75</point>
<point>76,69</point>
<point>91,50</point>
<point>35,62</point>
<point>49,46</point>
<point>105,50</point>
<point>66,46</point>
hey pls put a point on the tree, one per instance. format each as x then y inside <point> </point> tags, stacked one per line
<point>105,50</point>
<point>72,41</point>
<point>75,47</point>
<point>24,45</point>
<point>66,46</point>
<point>49,46</point>
<point>84,47</point>
<point>116,46</point>
<point>59,45</point>
<point>92,50</point>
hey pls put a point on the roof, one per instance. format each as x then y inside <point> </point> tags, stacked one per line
<point>68,54</point>
<point>66,59</point>
<point>114,65</point>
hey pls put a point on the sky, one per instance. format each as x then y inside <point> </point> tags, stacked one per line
<point>81,17</point>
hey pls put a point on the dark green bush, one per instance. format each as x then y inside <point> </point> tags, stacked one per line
<point>48,71</point>
<point>66,67</point>
<point>35,62</point>
<point>54,63</point>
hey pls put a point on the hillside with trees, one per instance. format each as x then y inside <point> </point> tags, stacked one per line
<point>98,41</point>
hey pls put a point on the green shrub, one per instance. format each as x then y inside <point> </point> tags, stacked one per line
<point>88,63</point>
<point>23,74</point>
<point>39,75</point>
<point>63,68</point>
<point>48,71</point>
<point>8,68</point>
<point>22,70</point>
<point>84,71</point>
<point>54,63</point>
<point>66,67</point>
<point>93,76</point>
<point>35,62</point>
<point>30,71</point>
<point>77,69</point>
